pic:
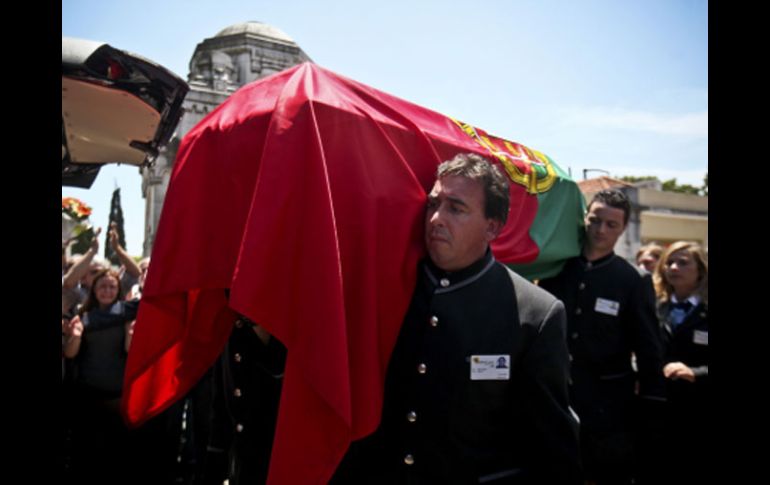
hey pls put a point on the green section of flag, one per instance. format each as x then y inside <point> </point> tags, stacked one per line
<point>557,229</point>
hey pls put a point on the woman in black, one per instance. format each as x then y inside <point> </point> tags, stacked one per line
<point>681,284</point>
<point>98,339</point>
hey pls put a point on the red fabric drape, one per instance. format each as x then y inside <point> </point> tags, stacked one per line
<point>304,194</point>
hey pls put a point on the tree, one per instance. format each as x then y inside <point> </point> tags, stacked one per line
<point>632,179</point>
<point>672,186</point>
<point>116,216</point>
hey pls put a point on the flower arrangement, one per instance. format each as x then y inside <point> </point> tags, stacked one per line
<point>75,225</point>
<point>75,208</point>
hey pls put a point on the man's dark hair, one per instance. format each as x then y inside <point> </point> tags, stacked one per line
<point>613,198</point>
<point>495,184</point>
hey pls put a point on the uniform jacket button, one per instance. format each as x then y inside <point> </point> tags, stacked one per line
<point>411,416</point>
<point>409,459</point>
<point>422,368</point>
<point>434,321</point>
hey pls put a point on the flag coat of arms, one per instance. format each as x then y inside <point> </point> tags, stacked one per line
<point>304,195</point>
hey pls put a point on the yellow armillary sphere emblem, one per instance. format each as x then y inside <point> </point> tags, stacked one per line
<point>527,167</point>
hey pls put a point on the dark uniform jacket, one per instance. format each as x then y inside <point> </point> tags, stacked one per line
<point>610,315</point>
<point>476,389</point>
<point>101,361</point>
<point>688,343</point>
<point>247,389</point>
<point>690,419</point>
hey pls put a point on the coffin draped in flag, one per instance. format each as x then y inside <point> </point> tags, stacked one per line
<point>304,194</point>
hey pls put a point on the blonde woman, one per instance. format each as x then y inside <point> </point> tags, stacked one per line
<point>681,284</point>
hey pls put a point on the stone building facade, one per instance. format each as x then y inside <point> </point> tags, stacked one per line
<point>656,215</point>
<point>235,56</point>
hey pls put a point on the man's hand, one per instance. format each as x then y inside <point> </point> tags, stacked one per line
<point>677,370</point>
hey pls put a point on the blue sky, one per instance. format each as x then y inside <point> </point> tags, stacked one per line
<point>620,86</point>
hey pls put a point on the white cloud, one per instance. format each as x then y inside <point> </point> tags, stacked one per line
<point>688,124</point>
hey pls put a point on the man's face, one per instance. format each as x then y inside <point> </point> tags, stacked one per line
<point>456,231</point>
<point>604,225</point>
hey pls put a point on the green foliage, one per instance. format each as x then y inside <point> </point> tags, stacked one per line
<point>672,186</point>
<point>83,241</point>
<point>632,180</point>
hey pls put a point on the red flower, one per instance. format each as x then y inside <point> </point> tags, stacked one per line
<point>75,208</point>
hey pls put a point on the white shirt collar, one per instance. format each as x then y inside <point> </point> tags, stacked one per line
<point>693,299</point>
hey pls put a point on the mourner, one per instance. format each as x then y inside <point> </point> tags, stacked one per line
<point>247,387</point>
<point>681,281</point>
<point>611,320</point>
<point>476,389</point>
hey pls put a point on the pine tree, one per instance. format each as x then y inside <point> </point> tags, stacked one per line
<point>116,216</point>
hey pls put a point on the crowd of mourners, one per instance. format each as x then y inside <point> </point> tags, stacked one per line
<point>637,338</point>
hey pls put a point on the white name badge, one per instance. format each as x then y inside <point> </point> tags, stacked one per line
<point>608,307</point>
<point>491,367</point>
<point>701,338</point>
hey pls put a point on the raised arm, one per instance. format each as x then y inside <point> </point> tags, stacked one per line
<point>80,268</point>
<point>131,267</point>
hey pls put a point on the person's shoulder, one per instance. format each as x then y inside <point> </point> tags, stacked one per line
<point>555,280</point>
<point>528,293</point>
<point>570,266</point>
<point>625,268</point>
<point>535,306</point>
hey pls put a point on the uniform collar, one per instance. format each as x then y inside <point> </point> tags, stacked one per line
<point>693,299</point>
<point>596,262</point>
<point>445,281</point>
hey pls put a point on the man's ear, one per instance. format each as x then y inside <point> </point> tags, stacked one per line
<point>493,229</point>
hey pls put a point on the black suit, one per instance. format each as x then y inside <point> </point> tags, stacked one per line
<point>440,426</point>
<point>610,315</point>
<point>247,387</point>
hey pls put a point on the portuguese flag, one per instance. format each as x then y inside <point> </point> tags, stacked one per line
<point>304,194</point>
